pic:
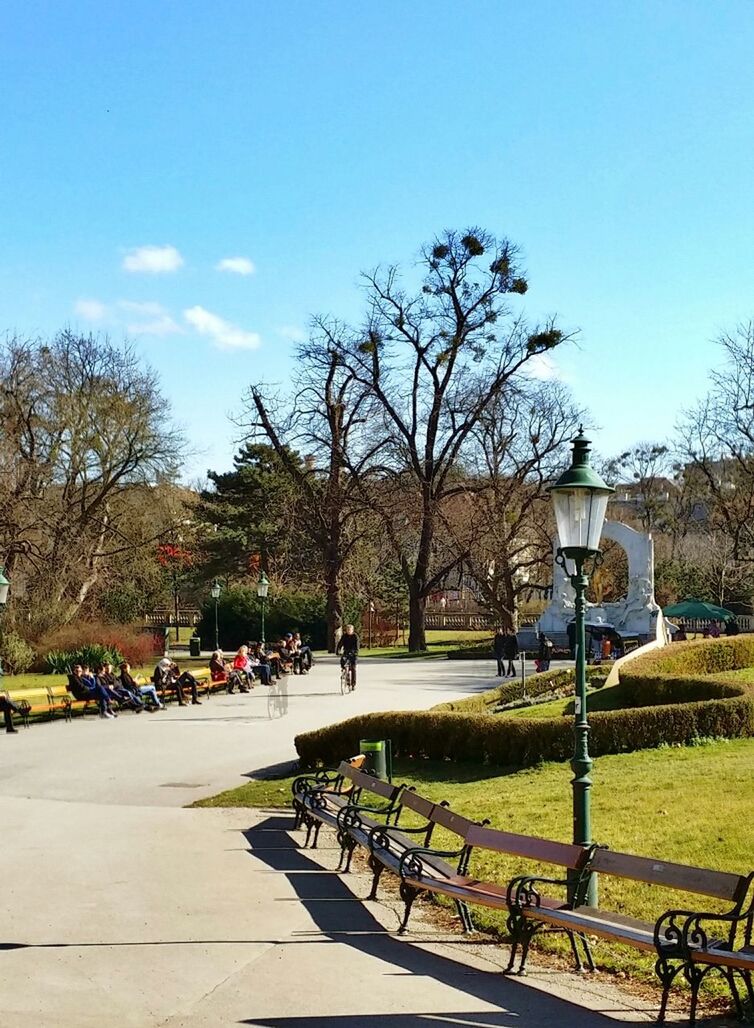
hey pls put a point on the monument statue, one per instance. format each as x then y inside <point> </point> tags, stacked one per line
<point>635,614</point>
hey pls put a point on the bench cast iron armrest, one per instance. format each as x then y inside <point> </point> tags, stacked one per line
<point>348,816</point>
<point>684,929</point>
<point>523,891</point>
<point>379,837</point>
<point>411,866</point>
<point>305,782</point>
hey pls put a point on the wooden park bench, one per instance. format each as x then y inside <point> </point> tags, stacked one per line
<point>392,848</point>
<point>334,778</point>
<point>424,869</point>
<point>321,802</point>
<point>677,937</point>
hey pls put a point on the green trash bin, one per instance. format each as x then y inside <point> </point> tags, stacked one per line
<point>379,756</point>
<point>195,646</point>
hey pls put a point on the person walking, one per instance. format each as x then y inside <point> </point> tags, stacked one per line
<point>498,647</point>
<point>510,652</point>
<point>544,652</point>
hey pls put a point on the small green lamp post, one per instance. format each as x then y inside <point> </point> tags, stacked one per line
<point>263,586</point>
<point>580,501</point>
<point>215,593</point>
<point>4,587</point>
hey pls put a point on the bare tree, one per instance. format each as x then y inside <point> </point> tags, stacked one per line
<point>433,363</point>
<point>717,442</point>
<point>327,410</point>
<point>507,536</point>
<point>84,422</point>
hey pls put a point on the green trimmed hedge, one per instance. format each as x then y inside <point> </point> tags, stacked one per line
<point>516,742</point>
<point>674,698</point>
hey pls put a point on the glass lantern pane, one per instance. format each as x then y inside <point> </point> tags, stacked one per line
<point>4,587</point>
<point>580,515</point>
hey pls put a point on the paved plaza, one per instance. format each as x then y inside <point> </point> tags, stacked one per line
<point>122,908</point>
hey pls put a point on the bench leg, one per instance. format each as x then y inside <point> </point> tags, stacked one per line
<point>528,931</point>
<point>514,930</point>
<point>377,869</point>
<point>350,847</point>
<point>730,976</point>
<point>465,916</point>
<point>746,975</point>
<point>309,822</point>
<point>575,951</point>
<point>317,830</point>
<point>408,895</point>
<point>666,972</point>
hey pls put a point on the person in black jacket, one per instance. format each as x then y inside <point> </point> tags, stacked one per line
<point>8,707</point>
<point>349,645</point>
<point>82,690</point>
<point>498,646</point>
<point>510,652</point>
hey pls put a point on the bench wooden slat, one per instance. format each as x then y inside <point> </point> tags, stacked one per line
<point>720,884</point>
<point>418,804</point>
<point>370,783</point>
<point>742,958</point>
<point>545,850</point>
<point>446,818</point>
<point>606,924</point>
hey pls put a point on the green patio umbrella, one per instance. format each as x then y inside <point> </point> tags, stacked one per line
<point>697,610</point>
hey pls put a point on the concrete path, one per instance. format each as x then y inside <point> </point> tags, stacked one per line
<point>123,909</point>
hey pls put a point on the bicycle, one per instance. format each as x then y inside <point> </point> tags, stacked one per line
<point>347,676</point>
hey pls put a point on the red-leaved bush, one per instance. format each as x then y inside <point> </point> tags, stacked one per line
<point>136,646</point>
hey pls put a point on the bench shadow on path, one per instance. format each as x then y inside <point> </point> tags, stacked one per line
<point>342,918</point>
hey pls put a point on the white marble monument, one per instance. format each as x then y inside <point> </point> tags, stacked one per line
<point>635,614</point>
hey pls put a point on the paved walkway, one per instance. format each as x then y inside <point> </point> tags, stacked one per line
<point>123,909</point>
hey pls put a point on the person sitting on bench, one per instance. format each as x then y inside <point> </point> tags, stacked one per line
<point>8,708</point>
<point>168,675</point>
<point>81,689</point>
<point>305,651</point>
<point>147,692</point>
<point>218,669</point>
<point>125,697</point>
<point>242,674</point>
<point>257,664</point>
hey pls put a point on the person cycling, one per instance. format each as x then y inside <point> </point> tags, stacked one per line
<point>349,644</point>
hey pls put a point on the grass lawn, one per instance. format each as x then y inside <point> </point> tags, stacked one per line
<point>613,698</point>
<point>688,804</point>
<point>439,641</point>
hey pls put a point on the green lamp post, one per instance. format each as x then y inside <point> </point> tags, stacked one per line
<point>4,587</point>
<point>580,501</point>
<point>215,593</point>
<point>263,586</point>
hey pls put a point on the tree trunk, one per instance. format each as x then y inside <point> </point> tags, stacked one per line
<point>334,609</point>
<point>417,639</point>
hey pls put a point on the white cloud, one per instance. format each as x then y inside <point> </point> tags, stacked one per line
<point>151,319</point>
<point>236,265</point>
<point>293,333</point>
<point>543,367</point>
<point>90,310</point>
<point>224,335</point>
<point>153,259</point>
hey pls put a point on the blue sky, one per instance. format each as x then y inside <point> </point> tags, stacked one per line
<point>611,141</point>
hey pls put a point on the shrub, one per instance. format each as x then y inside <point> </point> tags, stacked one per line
<point>17,654</point>
<point>120,641</point>
<point>239,617</point>
<point>494,739</point>
<point>60,662</point>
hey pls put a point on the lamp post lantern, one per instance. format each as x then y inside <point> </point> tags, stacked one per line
<point>215,593</point>
<point>580,500</point>
<point>4,587</point>
<point>263,586</point>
